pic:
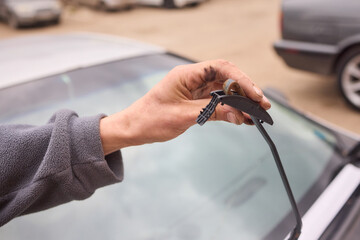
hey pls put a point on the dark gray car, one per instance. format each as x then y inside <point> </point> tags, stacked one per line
<point>323,36</point>
<point>19,13</point>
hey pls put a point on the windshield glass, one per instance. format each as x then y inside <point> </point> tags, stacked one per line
<point>218,181</point>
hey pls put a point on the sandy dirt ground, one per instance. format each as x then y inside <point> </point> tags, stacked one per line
<point>241,31</point>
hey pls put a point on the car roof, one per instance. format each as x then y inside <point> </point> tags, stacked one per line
<point>27,58</point>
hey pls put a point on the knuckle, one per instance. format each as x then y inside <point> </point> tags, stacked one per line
<point>178,68</point>
<point>224,62</point>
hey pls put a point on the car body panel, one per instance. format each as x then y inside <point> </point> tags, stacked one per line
<point>346,43</point>
<point>346,224</point>
<point>321,23</point>
<point>313,57</point>
<point>323,211</point>
<point>82,50</point>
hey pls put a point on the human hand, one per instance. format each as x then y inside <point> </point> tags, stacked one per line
<point>173,105</point>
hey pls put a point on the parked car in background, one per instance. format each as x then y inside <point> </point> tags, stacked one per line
<point>218,181</point>
<point>323,36</point>
<point>170,3</point>
<point>107,5</point>
<point>18,13</point>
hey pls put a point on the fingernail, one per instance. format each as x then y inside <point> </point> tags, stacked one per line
<point>249,121</point>
<point>258,91</point>
<point>231,117</point>
<point>268,104</point>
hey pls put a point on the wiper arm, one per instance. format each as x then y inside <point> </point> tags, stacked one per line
<point>233,96</point>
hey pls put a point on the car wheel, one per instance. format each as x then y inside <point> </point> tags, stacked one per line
<point>169,4</point>
<point>13,21</point>
<point>348,75</point>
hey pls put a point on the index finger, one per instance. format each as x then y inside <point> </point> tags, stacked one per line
<point>210,75</point>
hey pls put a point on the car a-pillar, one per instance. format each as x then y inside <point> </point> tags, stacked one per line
<point>348,76</point>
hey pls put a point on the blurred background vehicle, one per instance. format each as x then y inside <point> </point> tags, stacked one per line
<point>170,3</point>
<point>218,181</point>
<point>18,13</point>
<point>323,36</point>
<point>107,5</point>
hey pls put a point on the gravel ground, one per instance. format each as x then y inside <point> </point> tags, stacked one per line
<point>241,31</point>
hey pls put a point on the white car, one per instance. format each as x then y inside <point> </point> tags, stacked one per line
<point>169,3</point>
<point>108,5</point>
<point>218,181</point>
<point>29,12</point>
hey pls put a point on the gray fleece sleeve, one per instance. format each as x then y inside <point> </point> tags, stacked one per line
<point>45,166</point>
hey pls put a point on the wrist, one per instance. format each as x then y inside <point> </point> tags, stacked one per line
<point>116,133</point>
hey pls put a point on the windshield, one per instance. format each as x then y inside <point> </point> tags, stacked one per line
<point>218,181</point>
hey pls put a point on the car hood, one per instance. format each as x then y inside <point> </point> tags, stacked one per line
<point>61,53</point>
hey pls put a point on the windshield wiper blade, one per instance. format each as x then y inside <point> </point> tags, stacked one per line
<point>297,230</point>
<point>258,116</point>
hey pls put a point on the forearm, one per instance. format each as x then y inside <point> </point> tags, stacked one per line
<point>45,166</point>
